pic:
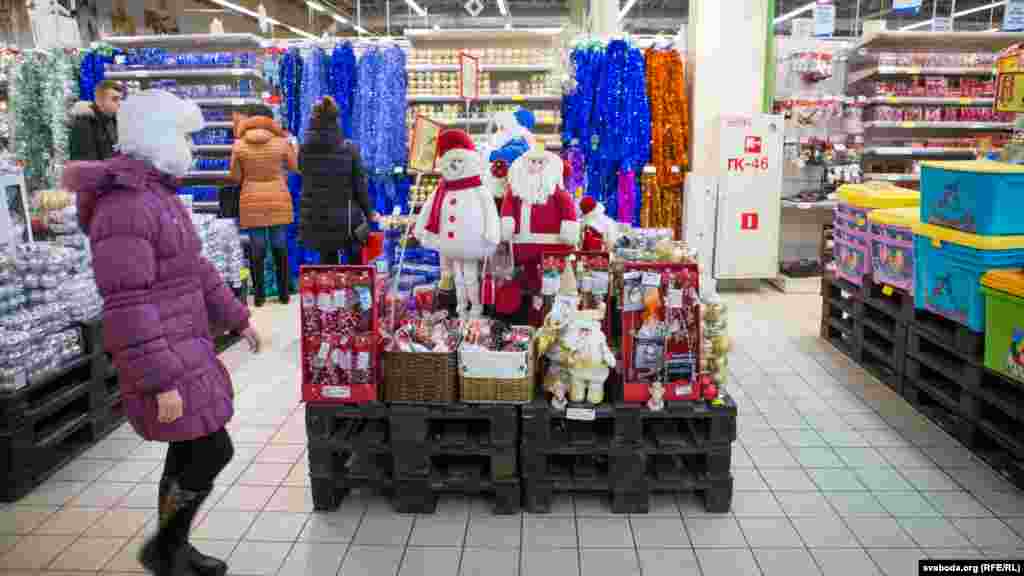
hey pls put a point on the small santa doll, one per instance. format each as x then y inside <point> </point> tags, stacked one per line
<point>538,217</point>
<point>459,219</point>
<point>600,232</point>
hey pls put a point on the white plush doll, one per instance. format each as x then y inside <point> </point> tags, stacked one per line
<point>511,139</point>
<point>589,357</point>
<point>459,219</point>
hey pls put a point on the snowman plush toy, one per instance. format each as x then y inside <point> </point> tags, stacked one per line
<point>512,138</point>
<point>459,219</point>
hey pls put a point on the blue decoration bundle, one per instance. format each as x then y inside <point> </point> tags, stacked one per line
<point>608,117</point>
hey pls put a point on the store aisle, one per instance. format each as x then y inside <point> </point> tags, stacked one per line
<point>835,475</point>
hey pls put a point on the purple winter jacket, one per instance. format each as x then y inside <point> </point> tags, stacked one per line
<point>160,296</point>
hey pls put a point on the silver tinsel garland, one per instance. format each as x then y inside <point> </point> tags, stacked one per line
<point>43,91</point>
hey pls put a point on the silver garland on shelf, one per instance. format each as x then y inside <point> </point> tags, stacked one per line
<point>43,91</point>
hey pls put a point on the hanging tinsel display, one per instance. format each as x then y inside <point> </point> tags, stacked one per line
<point>314,86</point>
<point>343,84</point>
<point>379,123</point>
<point>33,143</point>
<point>368,100</point>
<point>61,94</point>
<point>92,70</point>
<point>669,116</point>
<point>291,84</point>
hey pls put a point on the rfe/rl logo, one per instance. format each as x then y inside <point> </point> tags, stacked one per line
<point>752,145</point>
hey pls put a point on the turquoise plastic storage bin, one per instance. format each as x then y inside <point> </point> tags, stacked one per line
<point>948,266</point>
<point>976,196</point>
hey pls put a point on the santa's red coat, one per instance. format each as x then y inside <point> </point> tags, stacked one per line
<point>544,234</point>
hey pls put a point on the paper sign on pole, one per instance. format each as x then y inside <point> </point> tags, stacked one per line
<point>1013,16</point>
<point>824,19</point>
<point>803,28</point>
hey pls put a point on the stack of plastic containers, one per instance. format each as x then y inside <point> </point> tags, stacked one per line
<point>972,221</point>
<point>1004,322</point>
<point>852,234</point>
<point>892,246</point>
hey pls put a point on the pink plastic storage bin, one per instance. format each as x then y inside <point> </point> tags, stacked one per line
<point>892,246</point>
<point>852,235</point>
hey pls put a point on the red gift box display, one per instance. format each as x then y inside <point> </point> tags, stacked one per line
<point>339,324</point>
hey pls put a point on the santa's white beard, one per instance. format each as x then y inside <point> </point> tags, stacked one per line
<point>533,188</point>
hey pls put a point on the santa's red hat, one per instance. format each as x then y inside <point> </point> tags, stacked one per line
<point>453,140</point>
<point>588,204</point>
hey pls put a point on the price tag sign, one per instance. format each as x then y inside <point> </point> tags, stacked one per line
<point>887,290</point>
<point>892,100</point>
<point>1013,16</point>
<point>965,100</point>
<point>675,298</point>
<point>238,102</point>
<point>652,279</point>
<point>581,414</point>
<point>914,70</point>
<point>908,124</point>
<point>336,392</point>
<point>824,19</point>
<point>519,98</point>
<point>684,389</point>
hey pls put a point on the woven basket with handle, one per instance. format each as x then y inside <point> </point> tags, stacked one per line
<point>420,376</point>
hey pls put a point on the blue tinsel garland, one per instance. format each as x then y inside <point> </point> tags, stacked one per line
<point>343,84</point>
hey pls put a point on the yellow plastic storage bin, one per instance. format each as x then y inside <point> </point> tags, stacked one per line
<point>1004,322</point>
<point>891,232</point>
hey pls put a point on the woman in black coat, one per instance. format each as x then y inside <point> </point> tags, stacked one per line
<point>335,201</point>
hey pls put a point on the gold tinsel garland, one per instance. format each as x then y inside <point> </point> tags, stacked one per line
<point>662,206</point>
<point>670,126</point>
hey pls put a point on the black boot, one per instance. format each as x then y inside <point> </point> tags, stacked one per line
<point>256,267</point>
<point>200,563</point>
<point>283,273</point>
<point>167,553</point>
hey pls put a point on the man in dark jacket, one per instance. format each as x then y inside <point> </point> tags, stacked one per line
<point>94,124</point>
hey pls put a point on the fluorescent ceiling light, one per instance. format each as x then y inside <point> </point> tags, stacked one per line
<point>324,10</point>
<point>625,9</point>
<point>416,8</point>
<point>794,13</point>
<point>958,14</point>
<point>316,6</point>
<point>360,29</point>
<point>502,8</point>
<point>254,14</point>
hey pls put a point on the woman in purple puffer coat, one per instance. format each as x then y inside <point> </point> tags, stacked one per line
<point>161,297</point>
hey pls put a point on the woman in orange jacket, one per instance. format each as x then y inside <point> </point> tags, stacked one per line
<point>262,154</point>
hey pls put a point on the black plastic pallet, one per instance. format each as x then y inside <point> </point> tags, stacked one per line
<point>841,329</point>
<point>893,302</point>
<point>930,398</point>
<point>45,393</point>
<point>1002,393</point>
<point>468,426</point>
<point>587,431</point>
<point>28,459</point>
<point>930,351</point>
<point>883,349</point>
<point>952,336</point>
<point>839,290</point>
<point>349,425</point>
<point>681,428</point>
<point>941,386</point>
<point>717,492</point>
<point>994,449</point>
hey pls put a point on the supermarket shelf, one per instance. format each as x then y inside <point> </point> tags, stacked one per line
<point>940,125</point>
<point>484,98</point>
<point>938,41</point>
<point>207,174</point>
<point>929,100</point>
<point>206,207</point>
<point>484,121</point>
<point>867,73</point>
<point>917,151</point>
<point>217,124</point>
<point>188,41</point>
<point>226,101</point>
<point>483,68</point>
<point>212,148</point>
<point>465,35</point>
<point>185,73</point>
<point>892,177</point>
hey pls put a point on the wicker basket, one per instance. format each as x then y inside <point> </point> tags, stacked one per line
<point>507,377</point>
<point>420,376</point>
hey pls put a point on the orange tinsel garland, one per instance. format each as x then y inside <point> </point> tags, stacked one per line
<point>670,124</point>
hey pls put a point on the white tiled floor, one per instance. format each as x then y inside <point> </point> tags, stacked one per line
<point>834,473</point>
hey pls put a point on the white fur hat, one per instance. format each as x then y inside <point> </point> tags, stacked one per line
<point>154,125</point>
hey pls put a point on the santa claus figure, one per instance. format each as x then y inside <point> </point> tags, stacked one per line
<point>538,216</point>
<point>600,232</point>
<point>459,219</point>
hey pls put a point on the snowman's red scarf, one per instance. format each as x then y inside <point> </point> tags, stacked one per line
<point>446,186</point>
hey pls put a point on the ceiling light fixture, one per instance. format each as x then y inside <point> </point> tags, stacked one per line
<point>502,8</point>
<point>625,9</point>
<point>416,8</point>
<point>794,13</point>
<point>253,14</point>
<point>360,29</point>
<point>957,14</point>
<point>318,7</point>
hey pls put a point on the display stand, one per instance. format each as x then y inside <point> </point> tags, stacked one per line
<point>936,364</point>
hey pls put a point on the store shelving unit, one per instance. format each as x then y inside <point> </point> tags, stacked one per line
<point>435,53</point>
<point>892,148</point>
<point>200,43</point>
